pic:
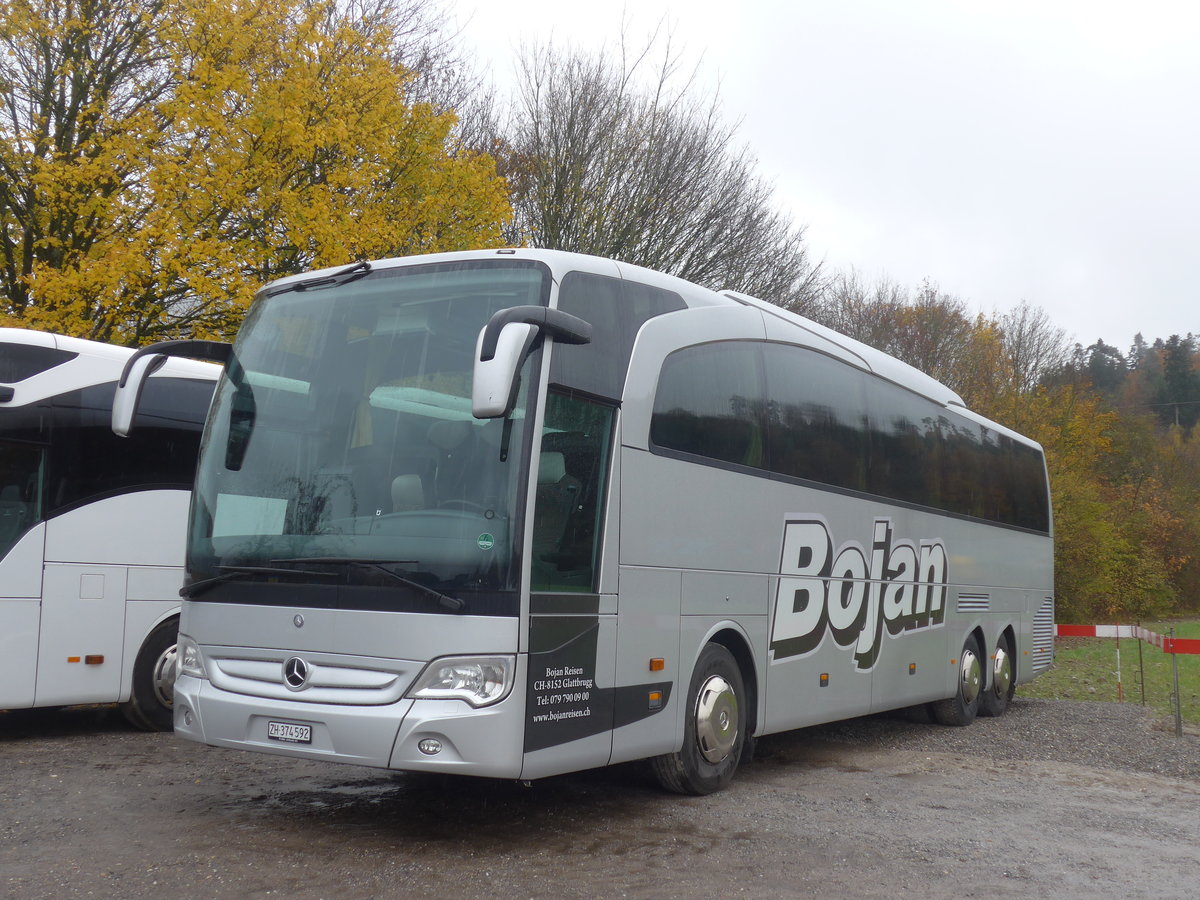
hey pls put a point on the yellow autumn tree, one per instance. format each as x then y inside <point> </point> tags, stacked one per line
<point>164,159</point>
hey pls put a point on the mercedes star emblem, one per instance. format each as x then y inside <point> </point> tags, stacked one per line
<point>295,673</point>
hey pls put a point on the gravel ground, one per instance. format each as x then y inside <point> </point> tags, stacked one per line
<point>1118,736</point>
<point>1057,798</point>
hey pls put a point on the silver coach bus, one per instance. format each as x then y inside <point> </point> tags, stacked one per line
<point>517,513</point>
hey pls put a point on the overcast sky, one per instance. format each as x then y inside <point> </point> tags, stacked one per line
<point>1038,150</point>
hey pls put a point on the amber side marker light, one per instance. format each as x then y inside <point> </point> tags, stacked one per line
<point>824,679</point>
<point>655,700</point>
<point>95,659</point>
<point>657,664</point>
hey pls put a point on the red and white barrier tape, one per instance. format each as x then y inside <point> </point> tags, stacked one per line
<point>1161,641</point>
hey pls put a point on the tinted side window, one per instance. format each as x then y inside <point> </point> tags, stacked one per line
<point>821,420</point>
<point>906,446</point>
<point>1031,500</point>
<point>817,417</point>
<point>18,362</point>
<point>616,310</point>
<point>86,460</point>
<point>710,403</point>
<point>572,479</point>
<point>965,467</point>
<point>20,491</point>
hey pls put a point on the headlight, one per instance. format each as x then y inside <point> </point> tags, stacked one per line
<point>188,658</point>
<point>479,680</point>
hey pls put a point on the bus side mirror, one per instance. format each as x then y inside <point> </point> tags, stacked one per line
<point>129,390</point>
<point>495,381</point>
<point>144,363</point>
<point>502,347</point>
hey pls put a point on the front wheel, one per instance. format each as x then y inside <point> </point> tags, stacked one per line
<point>962,708</point>
<point>715,730</point>
<point>152,700</point>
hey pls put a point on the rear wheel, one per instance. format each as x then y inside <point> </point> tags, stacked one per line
<point>1003,682</point>
<point>715,730</point>
<point>962,708</point>
<point>152,700</point>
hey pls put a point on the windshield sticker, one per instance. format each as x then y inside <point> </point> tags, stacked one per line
<point>486,541</point>
<point>855,593</point>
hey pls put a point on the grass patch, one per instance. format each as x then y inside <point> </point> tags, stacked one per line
<point>1086,669</point>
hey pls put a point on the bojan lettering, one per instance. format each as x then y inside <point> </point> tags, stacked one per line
<point>855,593</point>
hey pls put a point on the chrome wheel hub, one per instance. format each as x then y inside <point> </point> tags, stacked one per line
<point>716,719</point>
<point>972,676</point>
<point>1002,672</point>
<point>164,677</point>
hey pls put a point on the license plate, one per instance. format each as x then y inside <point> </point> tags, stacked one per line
<point>289,732</point>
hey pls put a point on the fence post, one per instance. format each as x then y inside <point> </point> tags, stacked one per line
<point>1141,665</point>
<point>1120,690</point>
<point>1175,678</point>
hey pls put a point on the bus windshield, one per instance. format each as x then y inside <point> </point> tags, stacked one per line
<point>341,443</point>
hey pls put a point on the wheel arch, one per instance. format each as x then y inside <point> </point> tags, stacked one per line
<point>138,628</point>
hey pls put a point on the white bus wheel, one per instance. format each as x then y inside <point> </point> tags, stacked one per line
<point>962,708</point>
<point>715,729</point>
<point>153,695</point>
<point>1003,682</point>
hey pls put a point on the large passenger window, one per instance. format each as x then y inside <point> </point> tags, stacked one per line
<point>710,403</point>
<point>799,414</point>
<point>906,446</point>
<point>88,461</point>
<point>572,476</point>
<point>816,418</point>
<point>20,491</point>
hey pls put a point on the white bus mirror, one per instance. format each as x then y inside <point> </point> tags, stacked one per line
<point>495,381</point>
<point>503,345</point>
<point>144,363</point>
<point>129,391</point>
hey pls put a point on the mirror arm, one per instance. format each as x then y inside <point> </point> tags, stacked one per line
<point>214,351</point>
<point>561,326</point>
<point>143,363</point>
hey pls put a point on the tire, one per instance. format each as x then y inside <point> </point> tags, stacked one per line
<point>1003,681</point>
<point>715,730</point>
<point>151,702</point>
<point>962,708</point>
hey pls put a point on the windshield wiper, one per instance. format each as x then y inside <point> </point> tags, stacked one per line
<point>231,573</point>
<point>341,276</point>
<point>454,604</point>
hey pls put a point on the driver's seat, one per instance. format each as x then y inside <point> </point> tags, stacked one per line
<point>408,493</point>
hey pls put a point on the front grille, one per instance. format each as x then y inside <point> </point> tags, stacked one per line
<point>358,681</point>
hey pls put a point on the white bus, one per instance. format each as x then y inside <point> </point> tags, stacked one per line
<point>92,529</point>
<point>517,513</point>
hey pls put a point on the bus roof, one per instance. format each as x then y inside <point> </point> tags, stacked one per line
<point>100,363</point>
<point>560,262</point>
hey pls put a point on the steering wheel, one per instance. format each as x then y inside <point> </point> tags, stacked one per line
<point>467,505</point>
